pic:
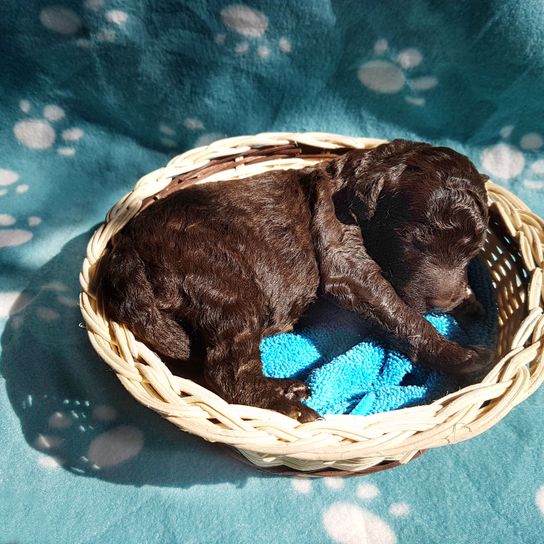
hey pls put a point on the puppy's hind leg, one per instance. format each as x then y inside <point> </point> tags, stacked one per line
<point>233,369</point>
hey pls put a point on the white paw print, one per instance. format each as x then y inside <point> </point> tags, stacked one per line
<point>348,522</point>
<point>507,161</point>
<point>66,22</point>
<point>115,20</point>
<point>60,20</point>
<point>39,133</point>
<point>9,177</point>
<point>390,72</point>
<point>539,499</point>
<point>169,135</point>
<point>252,24</point>
<point>104,443</point>
<point>13,302</point>
<point>62,295</point>
<point>14,235</point>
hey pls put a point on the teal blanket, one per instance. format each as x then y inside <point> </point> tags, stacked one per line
<point>96,93</point>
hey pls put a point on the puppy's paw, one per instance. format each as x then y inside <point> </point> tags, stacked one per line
<point>468,312</point>
<point>293,389</point>
<point>294,409</point>
<point>280,394</point>
<point>468,363</point>
<point>477,363</point>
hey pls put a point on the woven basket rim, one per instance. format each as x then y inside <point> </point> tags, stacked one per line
<point>344,442</point>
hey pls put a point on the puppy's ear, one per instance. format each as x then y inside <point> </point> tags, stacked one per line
<point>365,172</point>
<point>366,190</point>
<point>380,169</point>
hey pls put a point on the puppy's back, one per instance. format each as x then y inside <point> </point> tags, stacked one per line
<point>208,252</point>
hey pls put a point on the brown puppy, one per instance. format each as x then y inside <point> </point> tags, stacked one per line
<point>386,233</point>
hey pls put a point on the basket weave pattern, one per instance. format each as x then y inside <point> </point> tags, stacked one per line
<point>513,253</point>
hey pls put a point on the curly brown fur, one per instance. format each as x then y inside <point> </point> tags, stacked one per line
<point>386,233</point>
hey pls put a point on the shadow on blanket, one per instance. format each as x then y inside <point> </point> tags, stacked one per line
<point>73,409</point>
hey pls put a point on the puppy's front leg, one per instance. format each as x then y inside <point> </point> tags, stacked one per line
<point>355,282</point>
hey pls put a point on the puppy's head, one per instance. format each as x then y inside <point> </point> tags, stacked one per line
<point>423,214</point>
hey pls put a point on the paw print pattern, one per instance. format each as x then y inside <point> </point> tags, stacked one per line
<point>539,499</point>
<point>115,19</point>
<point>251,24</point>
<point>391,72</point>
<point>10,237</point>
<point>40,134</point>
<point>12,303</point>
<point>60,20</point>
<point>9,177</point>
<point>347,522</point>
<point>66,22</point>
<point>169,135</point>
<point>58,294</point>
<point>507,161</point>
<point>84,438</point>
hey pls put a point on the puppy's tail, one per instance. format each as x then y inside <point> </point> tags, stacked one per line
<point>125,295</point>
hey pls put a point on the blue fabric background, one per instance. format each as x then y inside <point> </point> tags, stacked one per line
<point>96,93</point>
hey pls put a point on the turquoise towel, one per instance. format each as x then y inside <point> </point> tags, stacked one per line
<point>349,372</point>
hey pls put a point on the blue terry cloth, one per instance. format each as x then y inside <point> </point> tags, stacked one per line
<point>349,372</point>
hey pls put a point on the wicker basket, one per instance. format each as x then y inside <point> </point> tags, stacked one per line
<point>341,444</point>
